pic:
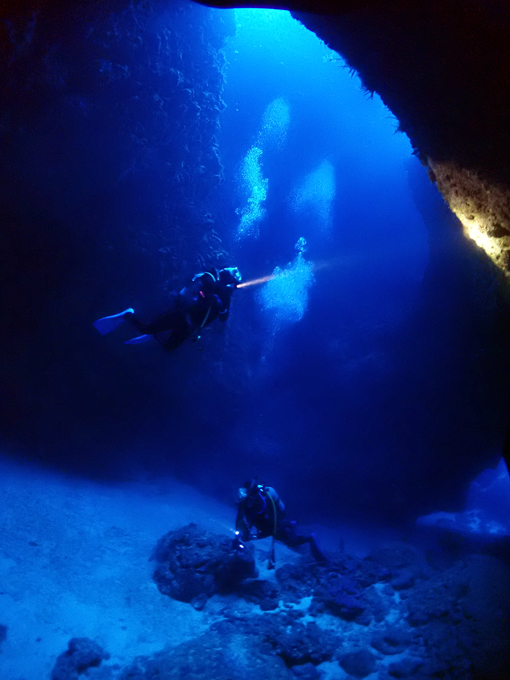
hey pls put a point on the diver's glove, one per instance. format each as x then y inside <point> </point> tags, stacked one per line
<point>238,543</point>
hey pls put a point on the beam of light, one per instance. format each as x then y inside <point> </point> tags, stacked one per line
<point>256,282</point>
<point>337,261</point>
<point>316,266</point>
<point>341,261</point>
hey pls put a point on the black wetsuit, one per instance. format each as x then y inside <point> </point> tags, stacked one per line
<point>257,511</point>
<point>195,307</point>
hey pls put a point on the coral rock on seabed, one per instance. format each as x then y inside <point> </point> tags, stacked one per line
<point>391,641</point>
<point>358,664</point>
<point>263,593</point>
<point>405,668</point>
<point>452,625</point>
<point>82,654</point>
<point>306,672</point>
<point>404,579</point>
<point>224,654</point>
<point>195,564</point>
<point>295,642</point>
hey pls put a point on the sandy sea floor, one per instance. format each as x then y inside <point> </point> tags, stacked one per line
<point>74,562</point>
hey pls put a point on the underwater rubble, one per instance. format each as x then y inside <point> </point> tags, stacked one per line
<point>391,614</point>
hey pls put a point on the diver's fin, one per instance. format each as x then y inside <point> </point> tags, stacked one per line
<point>109,323</point>
<point>139,340</point>
<point>317,553</point>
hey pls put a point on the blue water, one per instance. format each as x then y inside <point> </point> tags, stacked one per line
<point>362,366</point>
<point>361,372</point>
<point>300,135</point>
<point>308,154</point>
<point>351,367</point>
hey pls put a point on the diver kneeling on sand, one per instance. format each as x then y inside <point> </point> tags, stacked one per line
<point>261,508</point>
<point>206,298</point>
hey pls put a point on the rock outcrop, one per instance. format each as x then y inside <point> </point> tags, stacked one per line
<point>194,564</point>
<point>449,622</point>
<point>82,654</point>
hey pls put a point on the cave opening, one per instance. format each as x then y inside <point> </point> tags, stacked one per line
<point>360,374</point>
<point>309,153</point>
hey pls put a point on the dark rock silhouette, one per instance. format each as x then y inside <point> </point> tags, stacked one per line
<point>81,655</point>
<point>194,564</point>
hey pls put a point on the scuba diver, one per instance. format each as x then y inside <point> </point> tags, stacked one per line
<point>261,508</point>
<point>206,298</point>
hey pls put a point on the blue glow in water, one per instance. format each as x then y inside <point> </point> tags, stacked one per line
<point>300,246</point>
<point>285,296</point>
<point>255,186</point>
<point>316,194</point>
<point>274,127</point>
<point>487,509</point>
<point>272,133</point>
<point>275,124</point>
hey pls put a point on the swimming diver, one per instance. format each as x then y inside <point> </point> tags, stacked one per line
<point>206,298</point>
<point>261,508</point>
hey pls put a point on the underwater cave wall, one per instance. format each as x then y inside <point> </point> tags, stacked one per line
<point>109,181</point>
<point>443,69</point>
<point>453,363</point>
